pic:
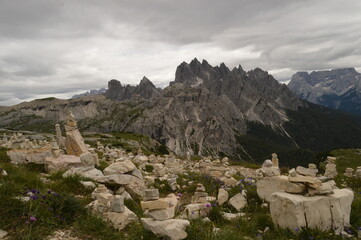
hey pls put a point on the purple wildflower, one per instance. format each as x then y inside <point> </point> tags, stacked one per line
<point>179,194</point>
<point>208,205</point>
<point>32,219</point>
<point>34,197</point>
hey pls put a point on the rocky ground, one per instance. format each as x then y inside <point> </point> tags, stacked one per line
<point>55,187</point>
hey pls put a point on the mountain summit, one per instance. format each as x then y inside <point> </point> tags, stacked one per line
<point>337,88</point>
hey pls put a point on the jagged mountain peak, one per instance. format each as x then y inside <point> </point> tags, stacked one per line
<point>330,88</point>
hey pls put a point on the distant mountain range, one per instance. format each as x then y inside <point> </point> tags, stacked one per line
<point>206,110</point>
<point>91,92</point>
<point>337,88</point>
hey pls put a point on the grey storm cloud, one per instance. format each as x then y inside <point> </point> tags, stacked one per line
<point>60,48</point>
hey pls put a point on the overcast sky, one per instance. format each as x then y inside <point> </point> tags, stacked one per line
<point>63,47</point>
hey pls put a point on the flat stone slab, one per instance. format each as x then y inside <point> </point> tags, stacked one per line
<point>63,162</point>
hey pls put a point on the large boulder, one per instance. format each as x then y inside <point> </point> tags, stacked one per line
<point>329,212</point>
<point>173,229</point>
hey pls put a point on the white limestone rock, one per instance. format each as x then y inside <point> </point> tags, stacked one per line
<point>120,220</point>
<point>3,234</point>
<point>232,216</point>
<point>88,184</point>
<point>330,212</point>
<point>222,196</point>
<point>330,170</point>
<point>173,229</point>
<point>169,212</point>
<point>307,171</point>
<point>63,162</point>
<point>117,204</point>
<point>119,168</point>
<point>87,159</point>
<point>196,211</point>
<point>151,194</point>
<point>269,185</point>
<point>238,202</point>
<point>89,172</point>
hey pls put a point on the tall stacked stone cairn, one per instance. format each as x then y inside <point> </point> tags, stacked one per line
<point>160,212</point>
<point>111,208</point>
<point>77,158</point>
<point>303,199</point>
<point>74,142</point>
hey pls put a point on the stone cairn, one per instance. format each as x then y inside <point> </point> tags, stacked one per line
<point>160,212</point>
<point>200,195</point>
<point>111,207</point>
<point>74,142</point>
<point>303,199</point>
<point>330,170</point>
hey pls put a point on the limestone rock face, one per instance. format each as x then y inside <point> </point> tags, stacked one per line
<point>269,185</point>
<point>173,229</point>
<point>330,212</point>
<point>336,88</point>
<point>238,201</point>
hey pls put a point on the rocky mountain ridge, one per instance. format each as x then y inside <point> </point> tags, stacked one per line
<point>91,92</point>
<point>337,88</point>
<point>205,111</point>
<point>145,89</point>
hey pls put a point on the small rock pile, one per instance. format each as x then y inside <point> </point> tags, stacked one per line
<point>111,208</point>
<point>349,172</point>
<point>160,212</point>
